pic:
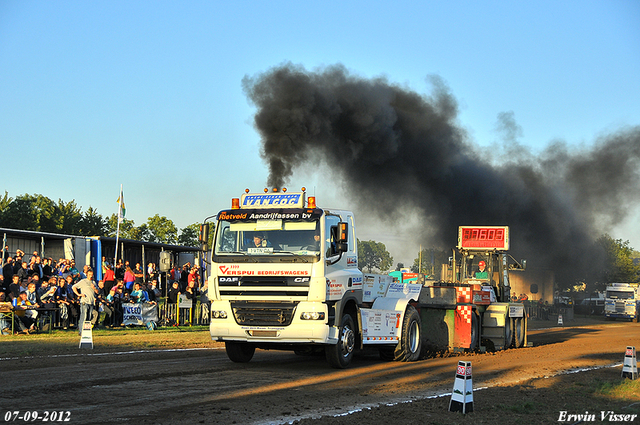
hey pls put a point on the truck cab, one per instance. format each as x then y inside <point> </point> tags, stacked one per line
<point>622,301</point>
<point>285,275</point>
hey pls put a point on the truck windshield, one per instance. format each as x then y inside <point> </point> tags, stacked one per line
<point>620,295</point>
<point>268,237</point>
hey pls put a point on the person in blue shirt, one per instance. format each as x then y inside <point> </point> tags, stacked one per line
<point>138,295</point>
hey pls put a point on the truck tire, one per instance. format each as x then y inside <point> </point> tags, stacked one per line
<point>340,355</point>
<point>410,345</point>
<point>518,332</point>
<point>508,332</point>
<point>239,352</point>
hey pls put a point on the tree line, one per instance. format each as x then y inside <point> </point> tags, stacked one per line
<point>42,214</point>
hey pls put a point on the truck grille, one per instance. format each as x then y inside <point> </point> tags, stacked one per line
<point>263,286</point>
<point>256,313</point>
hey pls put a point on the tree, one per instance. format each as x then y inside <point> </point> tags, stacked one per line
<point>128,229</point>
<point>21,213</point>
<point>618,261</point>
<point>40,213</point>
<point>5,201</point>
<point>67,217</point>
<point>432,261</point>
<point>373,256</point>
<point>189,236</point>
<point>142,233</point>
<point>92,223</point>
<point>162,230</point>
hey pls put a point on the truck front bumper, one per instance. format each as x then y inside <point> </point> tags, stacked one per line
<point>620,315</point>
<point>298,332</point>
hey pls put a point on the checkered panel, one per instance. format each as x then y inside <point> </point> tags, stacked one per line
<point>464,294</point>
<point>464,311</point>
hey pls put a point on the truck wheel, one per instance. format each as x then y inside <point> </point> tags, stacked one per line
<point>339,355</point>
<point>508,332</point>
<point>239,352</point>
<point>410,345</point>
<point>518,332</point>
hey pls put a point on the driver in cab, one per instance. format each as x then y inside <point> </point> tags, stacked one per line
<point>482,271</point>
<point>259,241</point>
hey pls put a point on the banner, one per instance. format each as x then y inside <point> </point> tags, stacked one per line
<point>139,313</point>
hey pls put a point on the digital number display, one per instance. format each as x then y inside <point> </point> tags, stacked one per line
<point>493,237</point>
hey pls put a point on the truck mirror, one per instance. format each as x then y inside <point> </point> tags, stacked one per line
<point>524,264</point>
<point>343,237</point>
<point>204,236</point>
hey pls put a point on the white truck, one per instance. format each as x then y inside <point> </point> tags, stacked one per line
<point>284,275</point>
<point>622,301</point>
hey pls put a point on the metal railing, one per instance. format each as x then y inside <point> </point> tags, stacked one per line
<point>171,314</point>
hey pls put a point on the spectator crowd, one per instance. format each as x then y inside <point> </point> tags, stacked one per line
<point>43,292</point>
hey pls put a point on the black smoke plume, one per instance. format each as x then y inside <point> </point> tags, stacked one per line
<point>398,150</point>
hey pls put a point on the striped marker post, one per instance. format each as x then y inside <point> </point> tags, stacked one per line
<point>86,336</point>
<point>630,366</point>
<point>462,395</point>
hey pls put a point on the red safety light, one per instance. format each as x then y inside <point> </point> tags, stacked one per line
<point>235,203</point>
<point>311,202</point>
<point>246,190</point>
<point>275,189</point>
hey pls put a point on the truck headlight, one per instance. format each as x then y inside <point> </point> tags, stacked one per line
<point>219,314</point>
<point>312,315</point>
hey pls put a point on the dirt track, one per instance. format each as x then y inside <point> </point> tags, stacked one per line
<point>203,386</point>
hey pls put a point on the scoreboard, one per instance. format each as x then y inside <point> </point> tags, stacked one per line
<point>483,237</point>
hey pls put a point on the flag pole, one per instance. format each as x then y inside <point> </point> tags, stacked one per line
<point>115,259</point>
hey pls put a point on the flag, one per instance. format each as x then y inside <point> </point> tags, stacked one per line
<point>121,209</point>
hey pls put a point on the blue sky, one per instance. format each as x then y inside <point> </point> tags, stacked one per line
<point>149,95</point>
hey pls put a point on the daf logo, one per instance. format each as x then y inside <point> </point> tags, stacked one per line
<point>301,279</point>
<point>228,279</point>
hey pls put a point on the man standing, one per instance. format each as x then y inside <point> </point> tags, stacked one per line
<point>7,270</point>
<point>139,274</point>
<point>86,292</point>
